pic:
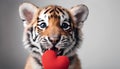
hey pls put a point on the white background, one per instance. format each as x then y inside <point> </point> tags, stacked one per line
<point>101,45</point>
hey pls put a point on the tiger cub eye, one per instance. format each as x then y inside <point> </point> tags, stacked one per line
<point>65,26</point>
<point>43,25</point>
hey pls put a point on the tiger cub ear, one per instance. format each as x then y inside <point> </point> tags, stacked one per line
<point>27,12</point>
<point>80,13</point>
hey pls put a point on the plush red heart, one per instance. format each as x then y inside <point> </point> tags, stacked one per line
<point>50,60</point>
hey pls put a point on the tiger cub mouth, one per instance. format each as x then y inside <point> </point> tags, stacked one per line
<point>58,51</point>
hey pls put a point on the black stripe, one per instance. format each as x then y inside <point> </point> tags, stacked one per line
<point>28,38</point>
<point>47,10</point>
<point>70,20</point>
<point>61,11</point>
<point>33,46</point>
<point>42,48</point>
<point>31,30</point>
<point>38,61</point>
<point>40,20</point>
<point>23,20</point>
<point>57,11</point>
<point>77,37</point>
<point>66,19</point>
<point>38,24</point>
<point>36,52</point>
<point>51,10</point>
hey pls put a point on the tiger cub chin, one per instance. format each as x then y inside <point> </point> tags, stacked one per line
<point>52,27</point>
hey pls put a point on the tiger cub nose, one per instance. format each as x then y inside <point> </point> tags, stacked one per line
<point>54,39</point>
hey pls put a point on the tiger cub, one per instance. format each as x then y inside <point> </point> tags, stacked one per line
<point>52,27</point>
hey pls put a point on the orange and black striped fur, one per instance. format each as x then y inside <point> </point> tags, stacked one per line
<point>52,27</point>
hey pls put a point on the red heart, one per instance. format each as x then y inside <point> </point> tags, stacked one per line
<point>51,61</point>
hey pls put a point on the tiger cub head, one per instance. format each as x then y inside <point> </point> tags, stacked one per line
<point>52,27</point>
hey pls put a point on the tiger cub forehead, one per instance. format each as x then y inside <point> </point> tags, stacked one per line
<point>54,11</point>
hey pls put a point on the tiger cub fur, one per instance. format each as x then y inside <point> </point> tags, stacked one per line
<point>52,27</point>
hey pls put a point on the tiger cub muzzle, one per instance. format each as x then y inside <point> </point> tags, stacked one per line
<point>55,42</point>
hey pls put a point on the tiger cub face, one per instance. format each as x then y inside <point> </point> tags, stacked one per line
<point>52,27</point>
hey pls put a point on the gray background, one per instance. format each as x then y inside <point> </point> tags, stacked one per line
<point>101,46</point>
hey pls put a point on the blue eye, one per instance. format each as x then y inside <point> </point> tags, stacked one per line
<point>43,25</point>
<point>65,26</point>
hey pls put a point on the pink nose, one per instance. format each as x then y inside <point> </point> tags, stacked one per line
<point>54,39</point>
